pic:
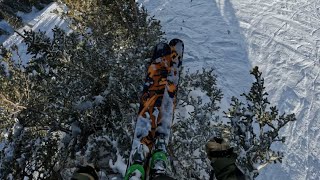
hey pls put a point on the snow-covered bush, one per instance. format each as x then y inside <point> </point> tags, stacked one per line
<point>255,126</point>
<point>198,104</point>
<point>252,128</point>
<point>73,102</point>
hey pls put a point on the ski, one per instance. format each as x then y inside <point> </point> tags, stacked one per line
<point>148,156</point>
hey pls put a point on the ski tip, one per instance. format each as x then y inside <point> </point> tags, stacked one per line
<point>177,46</point>
<point>175,41</point>
<point>160,50</point>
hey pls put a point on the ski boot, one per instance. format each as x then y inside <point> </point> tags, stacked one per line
<point>136,170</point>
<point>159,163</point>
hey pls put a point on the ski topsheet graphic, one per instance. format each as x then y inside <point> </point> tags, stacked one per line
<point>148,155</point>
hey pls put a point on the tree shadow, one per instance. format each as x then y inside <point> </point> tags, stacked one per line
<point>213,39</point>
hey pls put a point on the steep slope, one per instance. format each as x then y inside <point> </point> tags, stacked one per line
<point>282,37</point>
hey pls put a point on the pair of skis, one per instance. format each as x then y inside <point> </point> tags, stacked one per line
<point>148,157</point>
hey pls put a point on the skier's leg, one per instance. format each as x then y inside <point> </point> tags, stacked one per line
<point>85,172</point>
<point>163,177</point>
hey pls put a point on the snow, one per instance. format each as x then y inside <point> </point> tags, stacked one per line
<point>44,20</point>
<point>166,115</point>
<point>137,175</point>
<point>282,38</point>
<point>98,100</point>
<point>119,166</point>
<point>210,40</point>
<point>143,126</point>
<point>32,17</point>
<point>6,27</point>
<point>17,128</point>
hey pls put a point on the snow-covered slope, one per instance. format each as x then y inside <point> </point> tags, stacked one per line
<point>282,38</point>
<point>212,40</point>
<point>44,20</point>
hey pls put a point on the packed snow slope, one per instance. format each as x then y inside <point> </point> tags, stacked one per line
<point>44,20</point>
<point>282,37</point>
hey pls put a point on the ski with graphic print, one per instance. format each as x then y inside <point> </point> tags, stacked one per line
<point>149,157</point>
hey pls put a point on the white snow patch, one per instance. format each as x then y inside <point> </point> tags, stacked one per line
<point>17,128</point>
<point>44,20</point>
<point>143,127</point>
<point>166,115</point>
<point>119,166</point>
<point>98,100</point>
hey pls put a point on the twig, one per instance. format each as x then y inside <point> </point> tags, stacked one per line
<point>20,34</point>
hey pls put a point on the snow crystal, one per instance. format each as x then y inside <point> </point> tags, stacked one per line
<point>35,174</point>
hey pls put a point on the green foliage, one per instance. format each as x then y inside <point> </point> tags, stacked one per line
<point>255,126</point>
<point>71,103</point>
<point>123,21</point>
<point>192,130</point>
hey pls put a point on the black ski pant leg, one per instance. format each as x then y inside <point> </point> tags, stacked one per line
<point>163,177</point>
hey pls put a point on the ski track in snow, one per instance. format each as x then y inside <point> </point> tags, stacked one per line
<point>212,40</point>
<point>282,37</point>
